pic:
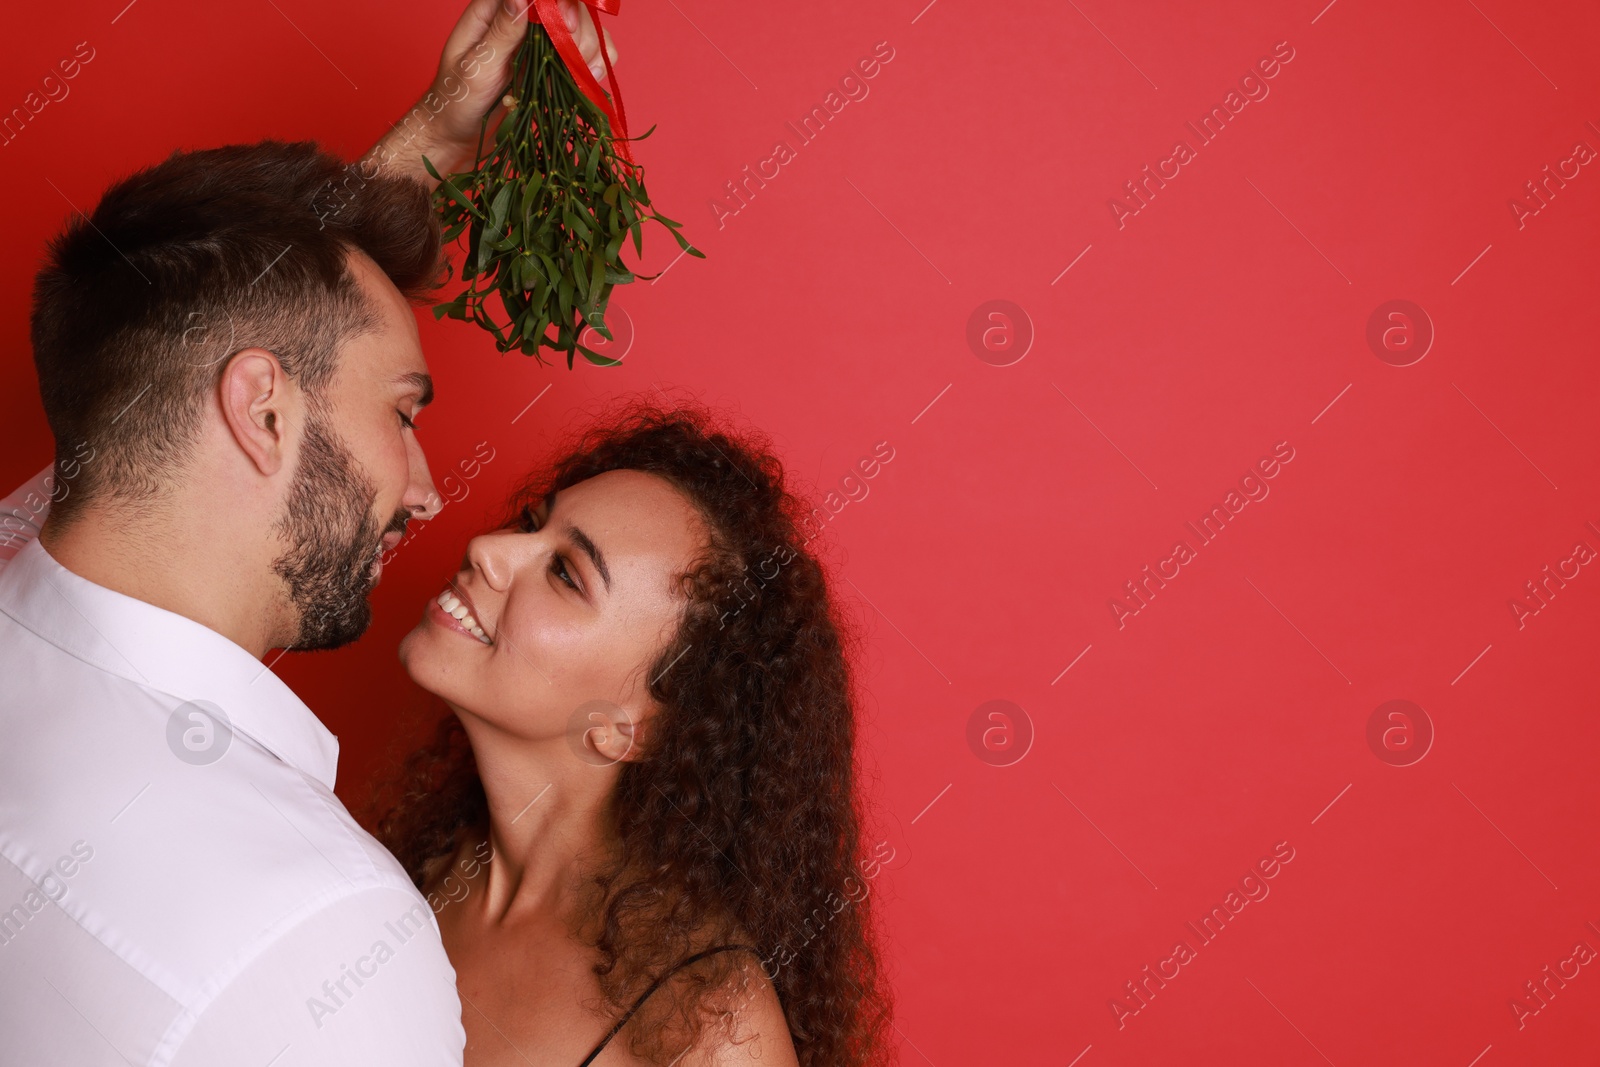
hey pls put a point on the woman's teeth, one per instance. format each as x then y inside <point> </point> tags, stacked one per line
<point>457,610</point>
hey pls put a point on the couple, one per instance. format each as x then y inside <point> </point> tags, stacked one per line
<point>639,825</point>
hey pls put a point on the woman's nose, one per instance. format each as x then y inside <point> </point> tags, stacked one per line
<point>487,554</point>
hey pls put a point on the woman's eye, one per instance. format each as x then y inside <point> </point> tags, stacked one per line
<point>528,522</point>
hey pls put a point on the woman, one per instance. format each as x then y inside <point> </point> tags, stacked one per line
<point>652,747</point>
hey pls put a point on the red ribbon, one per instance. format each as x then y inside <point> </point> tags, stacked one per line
<point>555,25</point>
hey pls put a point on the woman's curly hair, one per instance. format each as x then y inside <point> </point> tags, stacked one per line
<point>742,818</point>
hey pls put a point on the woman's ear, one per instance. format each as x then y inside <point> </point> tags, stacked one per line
<point>627,739</point>
<point>256,400</point>
<point>603,733</point>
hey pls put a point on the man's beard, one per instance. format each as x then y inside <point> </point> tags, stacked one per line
<point>334,541</point>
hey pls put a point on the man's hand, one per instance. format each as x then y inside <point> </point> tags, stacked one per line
<point>474,71</point>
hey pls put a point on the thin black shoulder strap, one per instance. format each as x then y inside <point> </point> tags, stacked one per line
<point>620,1023</point>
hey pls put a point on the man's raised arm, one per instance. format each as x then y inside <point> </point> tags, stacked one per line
<point>474,71</point>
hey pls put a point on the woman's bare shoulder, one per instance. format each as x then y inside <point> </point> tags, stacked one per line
<point>751,1027</point>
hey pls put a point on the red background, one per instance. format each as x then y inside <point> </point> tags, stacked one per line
<point>1223,318</point>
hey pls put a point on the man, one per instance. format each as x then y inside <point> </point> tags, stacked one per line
<point>231,369</point>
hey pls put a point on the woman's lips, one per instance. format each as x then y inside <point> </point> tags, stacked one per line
<point>451,612</point>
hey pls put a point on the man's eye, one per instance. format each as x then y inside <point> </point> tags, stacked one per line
<point>405,420</point>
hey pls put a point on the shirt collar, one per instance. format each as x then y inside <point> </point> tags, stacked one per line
<point>162,650</point>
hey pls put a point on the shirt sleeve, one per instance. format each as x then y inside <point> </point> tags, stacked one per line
<point>363,980</point>
<point>23,512</point>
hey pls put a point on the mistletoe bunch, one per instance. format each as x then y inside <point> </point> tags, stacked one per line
<point>546,210</point>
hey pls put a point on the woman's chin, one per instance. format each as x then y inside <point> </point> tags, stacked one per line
<point>408,642</point>
<point>434,660</point>
<point>418,657</point>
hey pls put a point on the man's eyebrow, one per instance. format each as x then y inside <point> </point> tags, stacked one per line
<point>421,382</point>
<point>582,540</point>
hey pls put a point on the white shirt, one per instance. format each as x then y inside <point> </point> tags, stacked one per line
<point>178,886</point>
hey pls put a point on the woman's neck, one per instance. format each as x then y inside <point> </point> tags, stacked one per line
<point>549,825</point>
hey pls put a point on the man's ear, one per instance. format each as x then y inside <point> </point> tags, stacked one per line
<point>257,400</point>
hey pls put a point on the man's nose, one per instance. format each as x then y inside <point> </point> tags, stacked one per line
<point>421,498</point>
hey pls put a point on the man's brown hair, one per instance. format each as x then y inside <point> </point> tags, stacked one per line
<point>138,307</point>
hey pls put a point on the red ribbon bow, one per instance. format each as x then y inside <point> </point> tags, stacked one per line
<point>556,26</point>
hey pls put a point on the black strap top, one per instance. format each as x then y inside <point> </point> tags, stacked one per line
<point>620,1023</point>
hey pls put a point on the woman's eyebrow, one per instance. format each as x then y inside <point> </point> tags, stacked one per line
<point>584,543</point>
<point>581,539</point>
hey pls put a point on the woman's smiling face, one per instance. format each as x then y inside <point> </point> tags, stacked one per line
<point>570,605</point>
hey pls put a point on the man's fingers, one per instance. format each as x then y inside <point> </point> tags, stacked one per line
<point>592,55</point>
<point>510,25</point>
<point>583,34</point>
<point>469,30</point>
<point>501,24</point>
<point>589,45</point>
